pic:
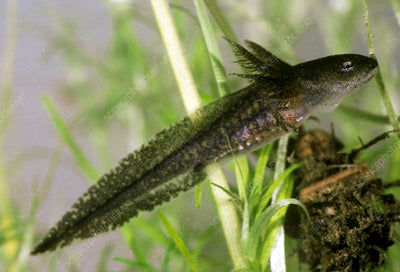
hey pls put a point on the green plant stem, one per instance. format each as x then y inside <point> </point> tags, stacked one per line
<point>226,209</point>
<point>379,80</point>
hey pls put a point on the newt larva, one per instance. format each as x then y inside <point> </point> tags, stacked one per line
<point>279,99</point>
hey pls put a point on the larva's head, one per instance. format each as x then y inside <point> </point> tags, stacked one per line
<point>327,81</point>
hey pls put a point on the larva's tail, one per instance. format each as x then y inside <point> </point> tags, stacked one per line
<point>83,222</point>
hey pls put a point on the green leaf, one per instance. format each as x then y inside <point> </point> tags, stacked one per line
<point>179,243</point>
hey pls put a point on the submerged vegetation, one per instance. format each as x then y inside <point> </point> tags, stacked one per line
<point>120,98</point>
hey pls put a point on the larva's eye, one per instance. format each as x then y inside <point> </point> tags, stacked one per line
<point>346,66</point>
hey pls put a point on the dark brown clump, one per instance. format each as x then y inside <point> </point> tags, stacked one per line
<point>352,217</point>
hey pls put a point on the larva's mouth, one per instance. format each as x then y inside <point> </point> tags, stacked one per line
<point>363,81</point>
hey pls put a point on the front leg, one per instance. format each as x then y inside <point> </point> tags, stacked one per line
<point>284,123</point>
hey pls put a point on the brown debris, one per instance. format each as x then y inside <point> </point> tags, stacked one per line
<point>352,218</point>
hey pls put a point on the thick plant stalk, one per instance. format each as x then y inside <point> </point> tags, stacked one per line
<point>226,210</point>
<point>278,250</point>
<point>180,67</point>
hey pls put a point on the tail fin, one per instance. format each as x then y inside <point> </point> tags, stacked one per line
<point>82,222</point>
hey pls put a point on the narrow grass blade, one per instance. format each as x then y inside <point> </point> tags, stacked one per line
<point>7,222</point>
<point>256,184</point>
<point>219,17</point>
<point>167,258</point>
<point>365,115</point>
<point>262,222</point>
<point>202,240</point>
<point>212,46</point>
<point>52,263</point>
<point>151,230</point>
<point>134,263</point>
<point>103,260</point>
<point>179,243</point>
<point>83,163</point>
<point>241,180</point>
<point>242,172</point>
<point>198,193</point>
<point>231,194</point>
<point>268,194</point>
<point>379,79</point>
<point>21,262</point>
<point>129,238</point>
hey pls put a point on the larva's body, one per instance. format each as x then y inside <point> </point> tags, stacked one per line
<point>280,99</point>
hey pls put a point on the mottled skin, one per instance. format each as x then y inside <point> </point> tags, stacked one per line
<point>280,98</point>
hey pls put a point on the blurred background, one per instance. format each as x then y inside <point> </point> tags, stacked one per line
<point>84,84</point>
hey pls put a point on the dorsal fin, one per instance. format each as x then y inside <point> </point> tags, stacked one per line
<point>244,57</point>
<point>269,59</point>
<point>259,62</point>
